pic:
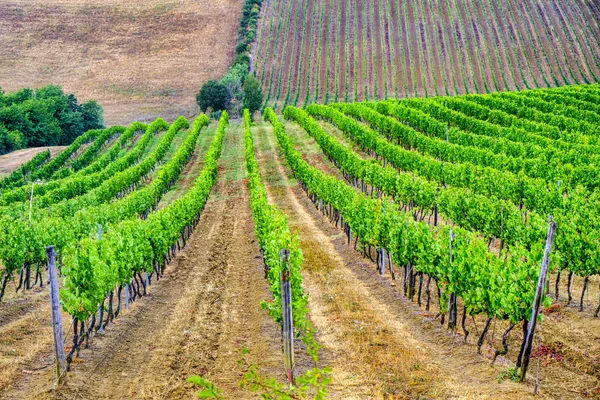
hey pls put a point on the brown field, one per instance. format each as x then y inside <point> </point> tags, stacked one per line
<point>140,59</point>
<point>11,161</point>
<point>389,48</point>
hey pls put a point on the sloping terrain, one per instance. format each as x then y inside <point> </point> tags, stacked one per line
<point>140,59</point>
<point>350,50</point>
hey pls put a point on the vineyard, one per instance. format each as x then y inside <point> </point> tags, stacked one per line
<point>328,51</point>
<point>367,233</point>
<point>369,200</point>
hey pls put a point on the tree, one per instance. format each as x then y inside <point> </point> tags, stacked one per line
<point>253,96</point>
<point>49,91</point>
<point>10,140</point>
<point>46,117</point>
<point>92,115</point>
<point>233,82</point>
<point>213,95</point>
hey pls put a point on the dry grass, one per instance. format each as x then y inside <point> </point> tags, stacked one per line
<point>140,58</point>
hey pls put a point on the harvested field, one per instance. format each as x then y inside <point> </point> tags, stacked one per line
<point>140,59</point>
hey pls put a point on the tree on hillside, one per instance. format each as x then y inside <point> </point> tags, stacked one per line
<point>44,117</point>
<point>212,95</point>
<point>10,140</point>
<point>253,96</point>
<point>92,113</point>
<point>233,81</point>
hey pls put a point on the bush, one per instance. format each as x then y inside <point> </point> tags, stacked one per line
<point>242,48</point>
<point>242,59</point>
<point>212,95</point>
<point>253,96</point>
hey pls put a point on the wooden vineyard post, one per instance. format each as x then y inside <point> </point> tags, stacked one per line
<point>537,301</point>
<point>287,321</point>
<point>57,326</point>
<point>101,308</point>
<point>452,306</point>
<point>382,265</point>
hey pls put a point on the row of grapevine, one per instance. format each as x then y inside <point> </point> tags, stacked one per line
<point>483,121</point>
<point>534,194</point>
<point>388,49</point>
<point>486,213</point>
<point>564,117</point>
<point>94,269</point>
<point>497,286</point>
<point>492,217</point>
<point>482,134</point>
<point>273,235</point>
<point>548,164</point>
<point>557,126</point>
<point>533,172</point>
<point>588,105</point>
<point>120,181</point>
<point>23,242</point>
<point>59,161</point>
<point>90,154</point>
<point>20,173</point>
<point>90,176</point>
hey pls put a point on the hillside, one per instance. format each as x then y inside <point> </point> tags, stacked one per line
<point>438,244</point>
<point>11,161</point>
<point>326,51</point>
<point>140,59</point>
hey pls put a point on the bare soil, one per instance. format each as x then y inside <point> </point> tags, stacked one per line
<point>567,353</point>
<point>378,344</point>
<point>360,52</point>
<point>333,51</point>
<point>584,45</point>
<point>397,44</point>
<point>343,65</point>
<point>433,48</point>
<point>306,50</point>
<point>407,48</point>
<point>456,66</point>
<point>351,43</point>
<point>195,320</point>
<point>11,161</point>
<point>293,38</point>
<point>323,47</point>
<point>378,60</point>
<point>510,45</point>
<point>489,41</point>
<point>140,59</point>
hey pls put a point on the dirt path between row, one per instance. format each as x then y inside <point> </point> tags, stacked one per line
<point>378,343</point>
<point>194,320</point>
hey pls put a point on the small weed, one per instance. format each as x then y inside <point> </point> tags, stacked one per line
<point>510,373</point>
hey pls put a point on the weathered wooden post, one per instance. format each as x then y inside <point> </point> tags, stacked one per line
<point>452,306</point>
<point>537,301</point>
<point>57,326</point>
<point>287,321</point>
<point>101,308</point>
<point>127,296</point>
<point>382,255</point>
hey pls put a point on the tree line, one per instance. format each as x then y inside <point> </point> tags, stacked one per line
<point>44,117</point>
<point>239,88</point>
